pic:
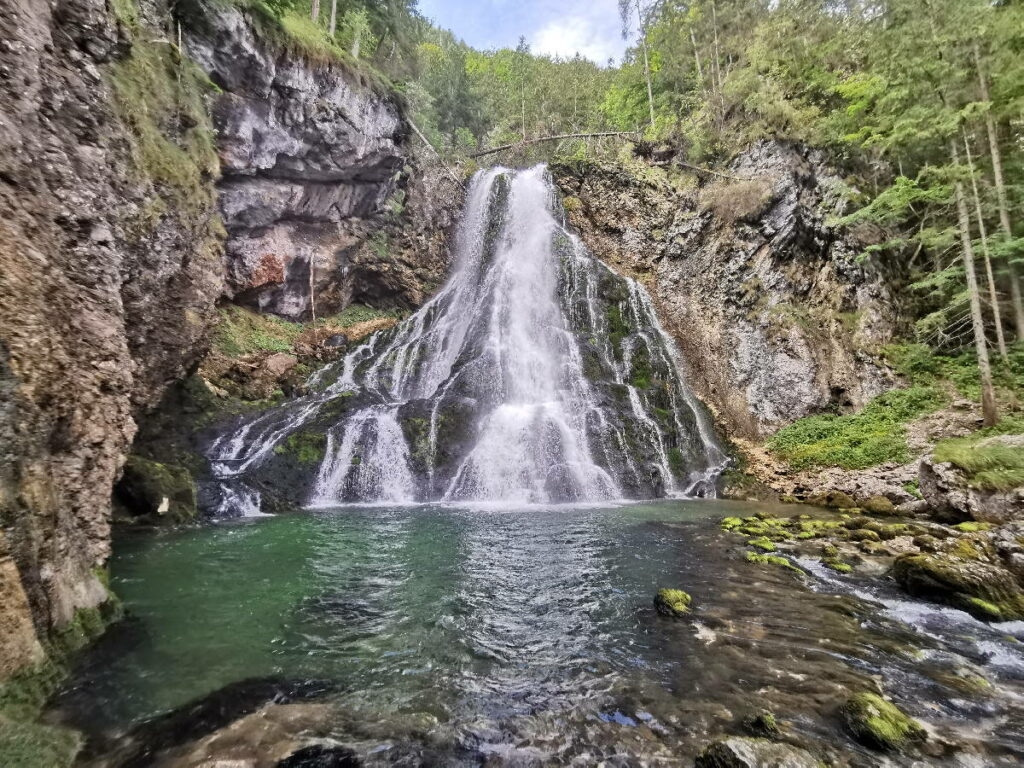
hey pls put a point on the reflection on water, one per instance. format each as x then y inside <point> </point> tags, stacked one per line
<point>530,635</point>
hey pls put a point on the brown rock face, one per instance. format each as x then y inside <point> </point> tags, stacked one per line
<point>106,290</point>
<point>768,301</point>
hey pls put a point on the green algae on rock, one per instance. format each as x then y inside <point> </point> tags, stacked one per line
<point>753,557</point>
<point>672,602</point>
<point>880,724</point>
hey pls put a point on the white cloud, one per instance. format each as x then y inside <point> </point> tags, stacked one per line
<point>595,39</point>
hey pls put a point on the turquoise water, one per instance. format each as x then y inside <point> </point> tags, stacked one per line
<point>501,628</point>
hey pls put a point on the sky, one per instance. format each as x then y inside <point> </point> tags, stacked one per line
<point>562,27</point>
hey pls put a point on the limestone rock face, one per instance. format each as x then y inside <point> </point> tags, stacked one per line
<point>312,156</point>
<point>106,292</point>
<point>766,297</point>
<point>950,496</point>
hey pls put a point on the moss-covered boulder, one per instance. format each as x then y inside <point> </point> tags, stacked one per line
<point>879,505</point>
<point>763,725</point>
<point>961,578</point>
<point>833,499</point>
<point>880,724</point>
<point>739,752</point>
<point>672,602</point>
<point>152,492</point>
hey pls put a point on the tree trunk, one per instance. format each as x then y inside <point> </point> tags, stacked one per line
<point>314,11</point>
<point>696,60</point>
<point>988,401</point>
<point>993,295</point>
<point>1004,207</point>
<point>334,21</point>
<point>647,66</point>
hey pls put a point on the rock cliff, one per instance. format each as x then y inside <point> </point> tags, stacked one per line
<point>772,309</point>
<point>141,184</point>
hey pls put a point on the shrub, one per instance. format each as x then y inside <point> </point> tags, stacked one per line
<point>875,435</point>
<point>737,200</point>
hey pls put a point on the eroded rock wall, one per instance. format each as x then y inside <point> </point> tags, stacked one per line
<point>774,313</point>
<point>314,160</point>
<point>107,287</point>
<point>119,156</point>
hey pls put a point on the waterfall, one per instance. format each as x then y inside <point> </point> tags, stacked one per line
<point>535,375</point>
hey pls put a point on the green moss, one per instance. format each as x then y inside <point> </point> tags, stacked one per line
<point>994,466</point>
<point>982,609</point>
<point>729,523</point>
<point>878,505</point>
<point>241,332</point>
<point>972,527</point>
<point>34,745</point>
<point>753,557</point>
<point>618,328</point>
<point>304,446</point>
<point>878,723</point>
<point>158,492</point>
<point>762,543</point>
<point>672,602</point>
<point>836,565</point>
<point>159,95</point>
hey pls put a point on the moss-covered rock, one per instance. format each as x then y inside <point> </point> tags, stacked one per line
<point>34,745</point>
<point>763,725</point>
<point>763,543</point>
<point>753,557</point>
<point>739,752</point>
<point>878,505</point>
<point>880,724</point>
<point>833,499</point>
<point>837,565</point>
<point>156,493</point>
<point>961,578</point>
<point>672,602</point>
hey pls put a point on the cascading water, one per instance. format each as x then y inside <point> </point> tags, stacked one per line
<point>535,375</point>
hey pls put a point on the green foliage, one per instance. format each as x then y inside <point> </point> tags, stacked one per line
<point>242,332</point>
<point>873,436</point>
<point>988,463</point>
<point>306,447</point>
<point>159,95</point>
<point>880,723</point>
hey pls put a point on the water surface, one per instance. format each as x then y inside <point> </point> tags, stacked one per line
<point>511,631</point>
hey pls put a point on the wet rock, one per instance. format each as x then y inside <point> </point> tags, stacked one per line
<point>739,752</point>
<point>966,577</point>
<point>880,724</point>
<point>763,725</point>
<point>878,505</point>
<point>153,492</point>
<point>321,756</point>
<point>951,498</point>
<point>672,602</point>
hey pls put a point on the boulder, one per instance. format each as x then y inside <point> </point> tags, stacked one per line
<point>878,505</point>
<point>951,498</point>
<point>967,576</point>
<point>880,724</point>
<point>672,602</point>
<point>739,752</point>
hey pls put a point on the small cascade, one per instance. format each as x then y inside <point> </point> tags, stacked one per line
<point>535,375</point>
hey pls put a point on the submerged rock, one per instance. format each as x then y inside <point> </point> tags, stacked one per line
<point>672,602</point>
<point>880,724</point>
<point>739,752</point>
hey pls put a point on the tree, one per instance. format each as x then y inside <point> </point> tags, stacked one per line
<point>626,9</point>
